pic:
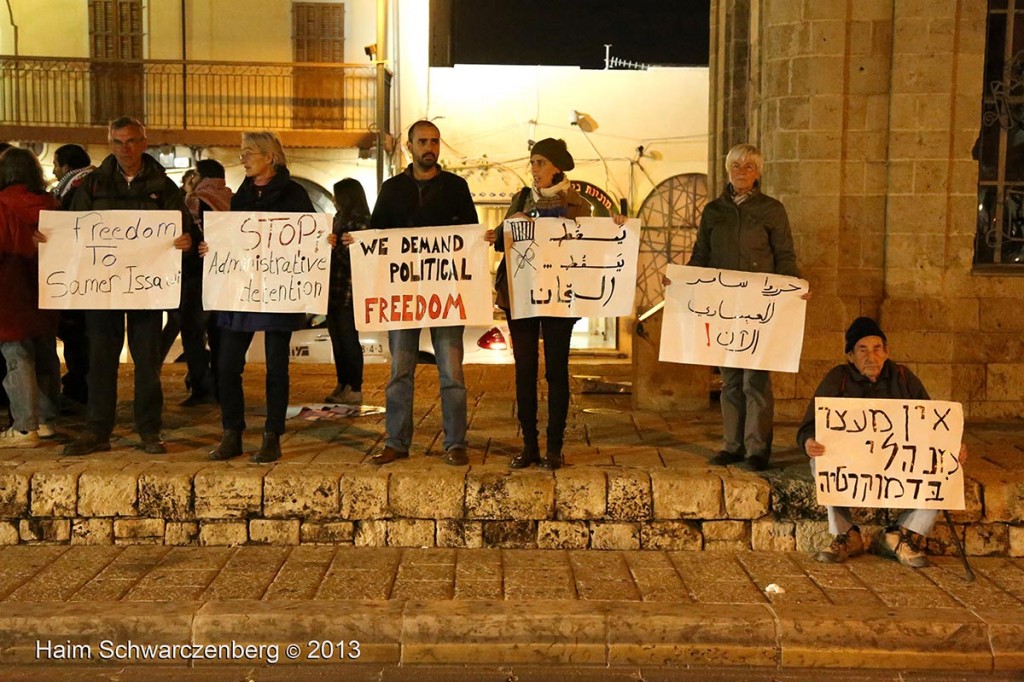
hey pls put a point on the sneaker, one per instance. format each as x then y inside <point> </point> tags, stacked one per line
<point>905,546</point>
<point>351,397</point>
<point>46,431</point>
<point>335,395</point>
<point>12,438</point>
<point>845,546</point>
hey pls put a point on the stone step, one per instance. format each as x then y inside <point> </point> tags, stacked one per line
<point>634,480</point>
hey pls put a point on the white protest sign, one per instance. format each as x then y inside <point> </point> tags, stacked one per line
<point>889,453</point>
<point>561,268</point>
<point>266,262</point>
<point>408,278</point>
<point>109,260</point>
<point>725,318</point>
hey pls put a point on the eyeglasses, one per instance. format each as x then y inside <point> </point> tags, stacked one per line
<point>745,168</point>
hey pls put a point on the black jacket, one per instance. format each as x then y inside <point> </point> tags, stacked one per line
<point>106,189</point>
<point>443,200</point>
<point>844,381</point>
<point>280,195</point>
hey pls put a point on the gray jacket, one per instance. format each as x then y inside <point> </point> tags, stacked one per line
<point>753,236</point>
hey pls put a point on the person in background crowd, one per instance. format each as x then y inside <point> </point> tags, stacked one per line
<point>869,373</point>
<point>267,187</point>
<point>128,179</point>
<point>27,334</point>
<point>550,197</point>
<point>424,195</point>
<point>4,146</point>
<point>209,193</point>
<point>71,165</point>
<point>353,214</point>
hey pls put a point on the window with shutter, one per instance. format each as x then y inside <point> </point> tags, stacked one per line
<point>115,33</point>
<point>318,36</point>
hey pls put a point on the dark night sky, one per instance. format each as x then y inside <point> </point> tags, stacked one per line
<point>559,32</point>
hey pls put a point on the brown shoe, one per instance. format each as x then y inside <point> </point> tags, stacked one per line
<point>457,457</point>
<point>388,455</point>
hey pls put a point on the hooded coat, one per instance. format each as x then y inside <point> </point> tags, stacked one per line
<point>20,316</point>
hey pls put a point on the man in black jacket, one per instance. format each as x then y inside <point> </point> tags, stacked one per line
<point>127,179</point>
<point>424,196</point>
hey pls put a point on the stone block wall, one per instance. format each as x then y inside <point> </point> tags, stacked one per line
<point>867,112</point>
<point>580,507</point>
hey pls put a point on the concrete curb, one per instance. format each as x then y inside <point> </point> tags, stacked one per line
<point>606,634</point>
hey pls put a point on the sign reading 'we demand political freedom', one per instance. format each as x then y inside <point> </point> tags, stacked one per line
<point>266,262</point>
<point>109,260</point>
<point>408,278</point>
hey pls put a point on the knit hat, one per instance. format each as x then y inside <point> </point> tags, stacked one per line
<point>861,327</point>
<point>556,152</point>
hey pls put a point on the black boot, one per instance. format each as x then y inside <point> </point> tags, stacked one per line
<point>530,454</point>
<point>551,460</point>
<point>269,451</point>
<point>230,446</point>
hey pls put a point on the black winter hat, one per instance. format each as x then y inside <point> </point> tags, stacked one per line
<point>861,327</point>
<point>556,152</point>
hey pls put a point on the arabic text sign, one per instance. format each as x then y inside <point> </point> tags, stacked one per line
<point>408,278</point>
<point>109,260</point>
<point>748,320</point>
<point>889,453</point>
<point>562,268</point>
<point>266,262</point>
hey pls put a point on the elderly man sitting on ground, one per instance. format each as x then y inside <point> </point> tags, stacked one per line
<point>869,373</point>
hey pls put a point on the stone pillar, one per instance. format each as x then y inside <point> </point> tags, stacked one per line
<point>730,91</point>
<point>666,386</point>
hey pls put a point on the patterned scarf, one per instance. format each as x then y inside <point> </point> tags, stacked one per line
<point>549,199</point>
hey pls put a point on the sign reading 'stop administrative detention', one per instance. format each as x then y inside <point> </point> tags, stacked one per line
<point>109,260</point>
<point>266,262</point>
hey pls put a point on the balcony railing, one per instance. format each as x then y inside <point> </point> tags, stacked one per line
<point>190,95</point>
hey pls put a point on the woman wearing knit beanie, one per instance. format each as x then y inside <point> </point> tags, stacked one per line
<point>551,196</point>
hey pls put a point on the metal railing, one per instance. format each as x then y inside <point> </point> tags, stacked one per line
<point>192,95</point>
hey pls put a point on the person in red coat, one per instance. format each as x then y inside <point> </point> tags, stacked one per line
<point>27,334</point>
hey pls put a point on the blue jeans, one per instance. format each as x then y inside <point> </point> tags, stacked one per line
<point>405,345</point>
<point>33,380</point>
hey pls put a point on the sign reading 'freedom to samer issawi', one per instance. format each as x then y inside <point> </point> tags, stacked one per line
<point>725,318</point>
<point>109,260</point>
<point>407,278</point>
<point>266,262</point>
